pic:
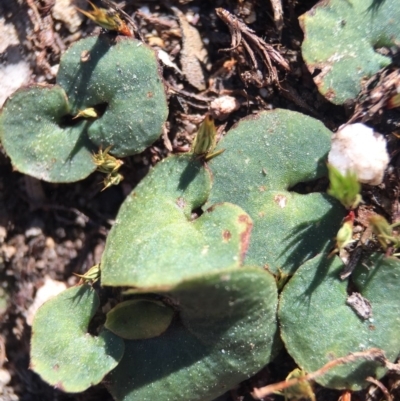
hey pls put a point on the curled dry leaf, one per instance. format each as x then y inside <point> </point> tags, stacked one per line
<point>361,306</point>
<point>193,53</point>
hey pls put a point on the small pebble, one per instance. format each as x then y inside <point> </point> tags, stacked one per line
<point>50,243</point>
<point>50,289</point>
<point>33,232</point>
<point>222,107</point>
<point>3,234</point>
<point>5,377</point>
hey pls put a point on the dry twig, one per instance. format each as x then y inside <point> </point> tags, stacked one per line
<point>373,354</point>
<point>375,95</point>
<point>381,387</point>
<point>243,35</point>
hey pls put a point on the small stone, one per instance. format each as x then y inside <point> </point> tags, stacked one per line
<point>51,254</point>
<point>35,228</point>
<point>60,232</point>
<point>5,377</point>
<point>50,289</point>
<point>50,243</point>
<point>3,234</point>
<point>64,10</point>
<point>222,107</point>
<point>40,264</point>
<point>33,232</point>
<point>54,69</point>
<point>8,251</point>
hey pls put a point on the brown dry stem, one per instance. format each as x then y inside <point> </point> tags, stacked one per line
<point>243,36</point>
<point>373,354</point>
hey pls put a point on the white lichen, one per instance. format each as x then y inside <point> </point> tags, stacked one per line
<point>357,148</point>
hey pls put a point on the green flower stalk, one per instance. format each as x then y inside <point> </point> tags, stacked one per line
<point>345,188</point>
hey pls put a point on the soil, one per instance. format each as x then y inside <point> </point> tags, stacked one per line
<point>50,231</point>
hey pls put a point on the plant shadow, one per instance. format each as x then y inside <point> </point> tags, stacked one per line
<point>306,240</point>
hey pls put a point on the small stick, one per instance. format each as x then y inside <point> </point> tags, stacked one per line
<point>373,354</point>
<point>381,386</point>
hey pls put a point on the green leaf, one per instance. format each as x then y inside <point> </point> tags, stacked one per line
<point>155,242</point>
<point>124,74</point>
<point>226,333</point>
<point>345,188</point>
<point>318,326</point>
<point>63,353</point>
<point>225,327</point>
<point>266,155</point>
<point>118,75</point>
<point>340,38</point>
<point>31,131</point>
<point>139,319</point>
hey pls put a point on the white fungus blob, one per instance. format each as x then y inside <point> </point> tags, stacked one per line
<point>357,148</point>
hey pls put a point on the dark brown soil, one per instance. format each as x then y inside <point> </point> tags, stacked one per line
<point>57,230</point>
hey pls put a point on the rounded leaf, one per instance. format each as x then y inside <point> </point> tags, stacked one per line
<point>123,74</point>
<point>265,155</point>
<point>340,38</point>
<point>318,324</point>
<point>63,353</point>
<point>155,242</point>
<point>34,136</point>
<point>226,333</point>
<point>139,319</point>
<point>115,80</point>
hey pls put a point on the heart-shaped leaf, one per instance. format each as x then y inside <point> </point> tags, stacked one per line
<point>155,240</point>
<point>225,328</point>
<point>265,156</point>
<point>62,351</point>
<point>225,333</point>
<point>31,131</point>
<point>118,77</point>
<point>340,38</point>
<point>123,74</point>
<point>318,325</point>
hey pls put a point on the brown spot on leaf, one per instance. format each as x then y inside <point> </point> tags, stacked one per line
<point>211,208</point>
<point>245,236</point>
<point>226,235</point>
<point>331,355</point>
<point>330,94</point>
<point>263,188</point>
<point>85,56</point>
<point>261,214</point>
<point>280,200</point>
<point>243,218</point>
<point>56,367</point>
<point>181,203</point>
<point>150,94</point>
<point>59,386</point>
